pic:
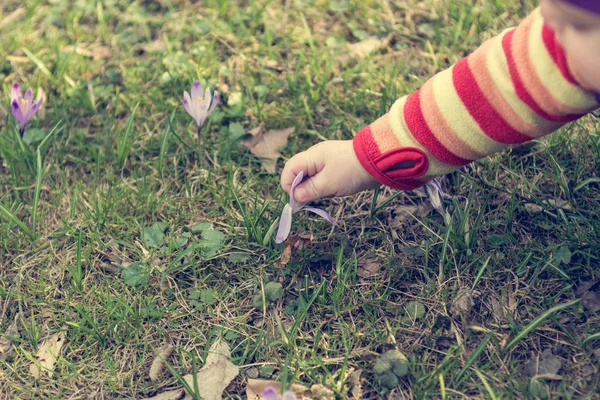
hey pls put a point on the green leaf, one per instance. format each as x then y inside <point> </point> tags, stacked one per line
<point>136,275</point>
<point>236,131</point>
<point>497,240</point>
<point>414,310</point>
<point>273,291</point>
<point>238,258</point>
<point>33,135</point>
<point>209,296</point>
<point>563,255</point>
<point>201,227</point>
<point>211,243</point>
<point>154,235</point>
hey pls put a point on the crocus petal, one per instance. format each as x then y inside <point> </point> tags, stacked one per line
<point>187,104</point>
<point>196,93</point>
<point>270,394</point>
<point>321,213</point>
<point>434,197</point>
<point>205,100</point>
<point>214,103</point>
<point>29,96</point>
<point>285,224</point>
<point>289,395</point>
<point>31,111</point>
<point>15,93</point>
<point>295,183</point>
<point>438,186</point>
<point>16,110</point>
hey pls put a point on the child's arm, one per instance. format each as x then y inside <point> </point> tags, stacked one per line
<point>516,87</point>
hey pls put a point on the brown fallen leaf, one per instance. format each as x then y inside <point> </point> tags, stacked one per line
<point>589,292</point>
<point>158,364</point>
<point>216,374</point>
<point>368,268</point>
<point>293,244</point>
<point>355,384</point>
<point>253,137</point>
<point>267,147</point>
<point>365,47</point>
<point>255,388</point>
<point>47,355</point>
<point>463,304</point>
<point>170,395</point>
<point>6,340</point>
<point>404,213</point>
<point>320,392</point>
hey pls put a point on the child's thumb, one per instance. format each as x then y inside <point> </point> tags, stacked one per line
<point>312,189</point>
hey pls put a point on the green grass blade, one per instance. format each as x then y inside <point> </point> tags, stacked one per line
<point>124,143</point>
<point>39,176</point>
<point>12,217</point>
<point>537,322</point>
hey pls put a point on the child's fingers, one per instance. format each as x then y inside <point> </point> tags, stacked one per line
<point>306,161</point>
<point>316,187</point>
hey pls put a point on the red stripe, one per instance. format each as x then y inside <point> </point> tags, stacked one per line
<point>486,116</point>
<point>415,121</point>
<point>368,153</point>
<point>521,90</point>
<point>557,53</point>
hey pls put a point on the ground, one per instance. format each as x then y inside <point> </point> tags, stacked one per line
<point>104,237</point>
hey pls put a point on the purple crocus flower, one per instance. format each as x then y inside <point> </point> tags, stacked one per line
<point>23,107</point>
<point>200,107</point>
<point>285,222</point>
<point>435,193</point>
<point>271,394</point>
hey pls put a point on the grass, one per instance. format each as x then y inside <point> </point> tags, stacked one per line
<point>121,157</point>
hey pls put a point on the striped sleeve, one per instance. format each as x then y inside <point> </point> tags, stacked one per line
<point>516,87</point>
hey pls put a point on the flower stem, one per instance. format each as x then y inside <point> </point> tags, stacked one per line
<point>200,147</point>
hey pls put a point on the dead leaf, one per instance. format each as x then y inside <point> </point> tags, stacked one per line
<point>365,47</point>
<point>162,354</point>
<point>293,244</point>
<point>497,309</point>
<point>170,395</point>
<point>463,304</point>
<point>320,392</point>
<point>12,17</point>
<point>545,365</point>
<point>216,374</point>
<point>253,137</point>
<point>255,388</point>
<point>6,340</point>
<point>355,384</point>
<point>368,268</point>
<point>402,214</point>
<point>47,355</point>
<point>267,147</point>
<point>589,292</point>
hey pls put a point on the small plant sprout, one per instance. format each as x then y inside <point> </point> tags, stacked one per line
<point>200,107</point>
<point>285,222</point>
<point>23,107</point>
<point>271,394</point>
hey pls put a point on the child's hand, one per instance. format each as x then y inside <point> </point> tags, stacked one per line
<point>332,169</point>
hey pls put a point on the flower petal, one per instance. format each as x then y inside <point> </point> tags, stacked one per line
<point>187,104</point>
<point>321,213</point>
<point>296,182</point>
<point>270,394</point>
<point>214,103</point>
<point>29,96</point>
<point>31,111</point>
<point>15,93</point>
<point>285,224</point>
<point>289,395</point>
<point>196,93</point>
<point>16,110</point>
<point>434,197</point>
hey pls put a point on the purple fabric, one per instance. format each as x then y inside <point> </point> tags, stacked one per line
<point>590,5</point>
<point>598,97</point>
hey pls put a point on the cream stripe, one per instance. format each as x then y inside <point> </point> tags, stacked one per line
<point>579,101</point>
<point>396,120</point>
<point>458,117</point>
<point>498,70</point>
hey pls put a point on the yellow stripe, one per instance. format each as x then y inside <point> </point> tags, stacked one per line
<point>498,70</point>
<point>396,121</point>
<point>579,101</point>
<point>458,117</point>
